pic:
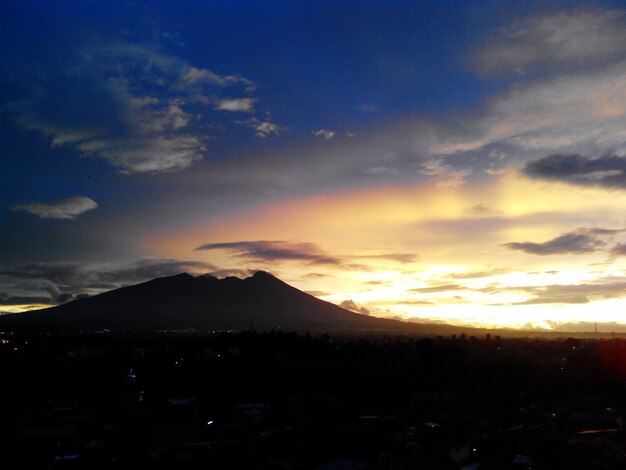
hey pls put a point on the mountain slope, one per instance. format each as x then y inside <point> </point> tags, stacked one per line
<point>182,302</point>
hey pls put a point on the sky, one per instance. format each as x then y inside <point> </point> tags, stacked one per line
<point>440,161</point>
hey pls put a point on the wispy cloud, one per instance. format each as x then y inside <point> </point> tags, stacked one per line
<point>609,170</point>
<point>194,75</point>
<point>445,176</point>
<point>479,274</point>
<point>69,208</point>
<point>582,112</point>
<point>274,250</point>
<point>71,280</point>
<point>619,249</point>
<point>381,171</point>
<point>324,134</point>
<point>482,209</point>
<point>439,288</point>
<point>353,307</point>
<point>6,299</point>
<point>262,129</point>
<point>555,39</point>
<point>573,293</point>
<point>129,104</point>
<point>368,108</point>
<point>241,105</point>
<point>569,243</point>
<point>397,257</point>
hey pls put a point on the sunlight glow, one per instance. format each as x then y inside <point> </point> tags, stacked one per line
<point>462,272</point>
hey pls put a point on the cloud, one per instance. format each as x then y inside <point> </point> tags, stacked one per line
<point>150,268</point>
<point>193,75</point>
<point>445,176</point>
<point>602,327</point>
<point>156,155</point>
<point>377,283</point>
<point>569,243</point>
<point>242,105</point>
<point>608,171</point>
<point>368,108</point>
<point>583,112</point>
<point>317,293</point>
<point>555,39</point>
<point>398,257</point>
<point>381,170</point>
<point>233,272</point>
<point>274,250</point>
<point>441,288</point>
<point>323,134</point>
<point>69,208</point>
<point>619,249</point>
<point>169,118</point>
<point>353,307</point>
<point>573,293</point>
<point>479,274</point>
<point>6,299</point>
<point>315,275</point>
<point>70,280</point>
<point>263,128</point>
<point>132,105</point>
<point>413,302</point>
<point>482,209</point>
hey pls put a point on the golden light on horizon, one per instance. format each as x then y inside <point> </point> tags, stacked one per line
<point>461,272</point>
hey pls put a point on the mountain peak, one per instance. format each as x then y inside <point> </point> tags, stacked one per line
<point>263,275</point>
<point>182,276</point>
<point>206,276</point>
<point>183,302</point>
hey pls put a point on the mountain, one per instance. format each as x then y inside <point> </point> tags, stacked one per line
<point>183,302</point>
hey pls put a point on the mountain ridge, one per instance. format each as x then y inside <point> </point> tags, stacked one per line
<point>261,302</point>
<point>204,302</point>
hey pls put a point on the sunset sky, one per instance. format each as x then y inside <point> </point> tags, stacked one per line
<point>438,160</point>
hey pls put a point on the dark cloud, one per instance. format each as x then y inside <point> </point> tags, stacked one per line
<point>482,209</point>
<point>357,267</point>
<point>77,274</point>
<point>603,327</point>
<point>68,281</point>
<point>69,208</point>
<point>479,274</point>
<point>608,171</point>
<point>6,299</point>
<point>441,288</point>
<point>619,249</point>
<point>317,293</point>
<point>572,293</point>
<point>146,269</point>
<point>58,273</point>
<point>415,302</point>
<point>233,272</point>
<point>353,307</point>
<point>274,250</point>
<point>569,243</point>
<point>494,288</point>
<point>315,275</point>
<point>604,231</point>
<point>398,257</point>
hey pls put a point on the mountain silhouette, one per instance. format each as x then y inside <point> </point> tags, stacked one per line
<point>183,302</point>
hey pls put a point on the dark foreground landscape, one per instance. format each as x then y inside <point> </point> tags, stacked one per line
<point>188,372</point>
<point>280,400</point>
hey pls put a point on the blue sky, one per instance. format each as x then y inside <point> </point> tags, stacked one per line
<point>134,132</point>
